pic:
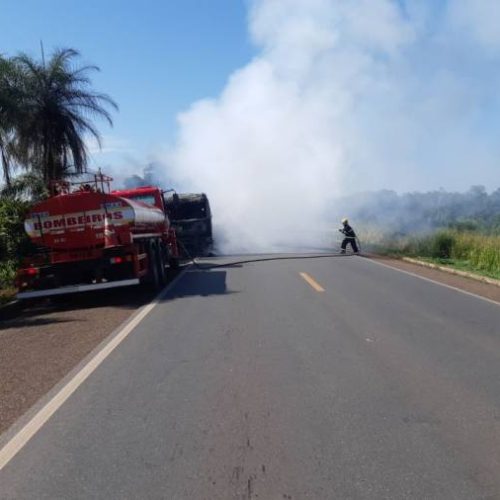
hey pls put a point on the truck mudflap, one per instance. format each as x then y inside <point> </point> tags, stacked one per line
<point>31,294</point>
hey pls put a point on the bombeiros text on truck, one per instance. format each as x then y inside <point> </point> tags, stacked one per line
<point>89,237</point>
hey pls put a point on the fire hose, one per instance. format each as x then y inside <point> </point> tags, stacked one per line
<point>262,259</point>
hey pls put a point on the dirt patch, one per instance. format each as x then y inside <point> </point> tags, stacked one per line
<point>469,285</point>
<point>41,343</point>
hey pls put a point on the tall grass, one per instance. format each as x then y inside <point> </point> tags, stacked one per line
<point>470,249</point>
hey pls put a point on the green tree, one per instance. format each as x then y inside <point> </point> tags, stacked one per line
<point>50,108</point>
<point>10,112</point>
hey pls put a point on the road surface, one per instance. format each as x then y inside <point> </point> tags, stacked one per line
<point>296,379</point>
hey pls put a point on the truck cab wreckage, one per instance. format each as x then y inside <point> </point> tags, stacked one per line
<point>191,218</point>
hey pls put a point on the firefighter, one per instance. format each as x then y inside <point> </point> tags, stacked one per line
<point>349,236</point>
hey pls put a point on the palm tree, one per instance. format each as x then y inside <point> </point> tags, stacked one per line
<point>26,186</point>
<point>55,111</point>
<point>10,92</point>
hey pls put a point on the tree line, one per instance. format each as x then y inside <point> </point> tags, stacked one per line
<point>408,213</point>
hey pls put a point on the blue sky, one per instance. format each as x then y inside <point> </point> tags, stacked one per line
<point>156,57</point>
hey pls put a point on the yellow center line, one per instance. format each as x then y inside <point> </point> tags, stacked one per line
<point>314,284</point>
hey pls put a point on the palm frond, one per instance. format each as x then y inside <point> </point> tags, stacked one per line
<point>27,186</point>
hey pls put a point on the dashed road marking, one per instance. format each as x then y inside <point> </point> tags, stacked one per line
<point>313,283</point>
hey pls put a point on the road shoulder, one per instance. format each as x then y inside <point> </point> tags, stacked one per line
<point>466,284</point>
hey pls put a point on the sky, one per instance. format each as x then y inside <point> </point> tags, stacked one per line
<point>276,107</point>
<point>156,57</point>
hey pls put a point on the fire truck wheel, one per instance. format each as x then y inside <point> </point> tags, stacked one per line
<point>173,263</point>
<point>153,271</point>
<point>161,259</point>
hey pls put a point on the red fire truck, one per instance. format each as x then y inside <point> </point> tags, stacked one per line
<point>89,237</point>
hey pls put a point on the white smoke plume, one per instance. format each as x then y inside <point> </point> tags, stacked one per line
<point>343,96</point>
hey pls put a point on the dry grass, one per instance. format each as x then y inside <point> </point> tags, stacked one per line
<point>466,250</point>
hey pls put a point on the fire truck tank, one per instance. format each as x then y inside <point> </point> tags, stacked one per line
<point>82,219</point>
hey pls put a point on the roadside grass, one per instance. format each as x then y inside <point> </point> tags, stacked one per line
<point>464,250</point>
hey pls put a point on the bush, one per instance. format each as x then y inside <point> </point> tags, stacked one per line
<point>442,245</point>
<point>14,243</point>
<point>7,273</point>
<point>465,225</point>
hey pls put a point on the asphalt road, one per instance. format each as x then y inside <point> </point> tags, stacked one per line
<point>249,382</point>
<point>41,341</point>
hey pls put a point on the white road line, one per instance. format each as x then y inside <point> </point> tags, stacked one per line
<point>491,301</point>
<point>17,442</point>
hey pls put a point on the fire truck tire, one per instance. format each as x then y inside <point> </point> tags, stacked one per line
<point>153,276</point>
<point>161,260</point>
<point>173,263</point>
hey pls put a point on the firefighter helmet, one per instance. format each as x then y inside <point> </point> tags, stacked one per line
<point>345,220</point>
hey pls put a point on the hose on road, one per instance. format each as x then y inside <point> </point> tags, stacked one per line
<point>192,259</point>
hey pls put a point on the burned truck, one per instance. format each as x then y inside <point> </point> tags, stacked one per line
<point>191,218</point>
